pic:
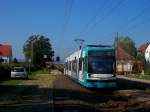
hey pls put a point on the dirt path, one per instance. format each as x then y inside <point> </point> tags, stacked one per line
<point>33,95</point>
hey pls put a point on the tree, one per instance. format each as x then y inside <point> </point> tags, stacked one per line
<point>141,57</point>
<point>128,45</point>
<point>57,58</point>
<point>15,60</point>
<point>36,47</point>
<point>1,60</point>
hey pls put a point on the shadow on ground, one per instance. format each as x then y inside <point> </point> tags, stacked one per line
<point>24,98</point>
<point>70,96</point>
<point>65,96</point>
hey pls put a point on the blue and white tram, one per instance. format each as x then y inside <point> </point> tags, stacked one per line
<point>93,66</point>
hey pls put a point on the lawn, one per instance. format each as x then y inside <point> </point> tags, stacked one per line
<point>17,81</point>
<point>139,76</point>
<point>12,84</point>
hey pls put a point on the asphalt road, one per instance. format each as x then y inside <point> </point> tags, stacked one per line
<point>55,92</point>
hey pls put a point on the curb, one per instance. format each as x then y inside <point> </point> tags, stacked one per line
<point>133,82</point>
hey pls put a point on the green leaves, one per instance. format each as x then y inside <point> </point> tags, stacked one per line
<point>36,47</point>
<point>128,45</point>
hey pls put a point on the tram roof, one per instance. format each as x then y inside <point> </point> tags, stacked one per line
<point>77,54</point>
<point>98,46</point>
<point>73,56</point>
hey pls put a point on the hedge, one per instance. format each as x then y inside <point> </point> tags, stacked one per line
<point>147,70</point>
<point>5,71</point>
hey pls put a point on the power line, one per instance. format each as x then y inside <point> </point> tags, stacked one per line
<point>93,18</point>
<point>101,8</point>
<point>141,23</point>
<point>134,26</point>
<point>68,9</point>
<point>106,15</point>
<point>134,18</point>
<point>67,16</point>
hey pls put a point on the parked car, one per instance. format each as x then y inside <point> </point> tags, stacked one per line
<point>19,72</point>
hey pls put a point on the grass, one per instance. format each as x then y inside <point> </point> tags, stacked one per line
<point>17,81</point>
<point>139,76</point>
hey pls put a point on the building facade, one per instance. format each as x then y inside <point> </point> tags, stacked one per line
<point>125,63</point>
<point>147,54</point>
<point>5,53</point>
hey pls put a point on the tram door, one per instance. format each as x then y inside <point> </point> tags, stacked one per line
<point>81,69</point>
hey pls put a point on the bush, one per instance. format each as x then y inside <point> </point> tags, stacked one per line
<point>147,70</point>
<point>5,71</point>
<point>26,65</point>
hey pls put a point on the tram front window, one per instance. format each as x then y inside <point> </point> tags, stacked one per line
<point>97,65</point>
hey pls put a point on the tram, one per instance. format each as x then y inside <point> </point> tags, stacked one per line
<point>93,66</point>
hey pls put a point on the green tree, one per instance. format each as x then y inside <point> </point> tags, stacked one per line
<point>128,45</point>
<point>141,57</point>
<point>15,60</point>
<point>1,60</point>
<point>57,58</point>
<point>36,47</point>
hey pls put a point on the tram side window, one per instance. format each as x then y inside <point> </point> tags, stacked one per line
<point>66,65</point>
<point>69,65</point>
<point>74,66</point>
<point>80,64</point>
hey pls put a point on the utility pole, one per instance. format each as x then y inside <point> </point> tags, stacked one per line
<point>32,49</point>
<point>116,43</point>
<point>116,39</point>
<point>79,42</point>
<point>32,52</point>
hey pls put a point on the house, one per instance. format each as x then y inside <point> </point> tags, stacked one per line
<point>145,50</point>
<point>142,48</point>
<point>125,63</point>
<point>5,52</point>
<point>147,54</point>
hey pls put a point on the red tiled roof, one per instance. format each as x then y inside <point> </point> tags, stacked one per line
<point>142,48</point>
<point>5,50</point>
<point>122,54</point>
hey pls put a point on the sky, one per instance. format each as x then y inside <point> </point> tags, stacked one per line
<point>63,21</point>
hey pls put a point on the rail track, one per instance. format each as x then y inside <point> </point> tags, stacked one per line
<point>70,96</point>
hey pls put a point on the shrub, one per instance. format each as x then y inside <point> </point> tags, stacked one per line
<point>26,65</point>
<point>5,71</point>
<point>147,70</point>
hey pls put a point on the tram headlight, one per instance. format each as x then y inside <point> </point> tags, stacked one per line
<point>114,75</point>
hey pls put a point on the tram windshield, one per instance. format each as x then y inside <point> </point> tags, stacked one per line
<point>101,64</point>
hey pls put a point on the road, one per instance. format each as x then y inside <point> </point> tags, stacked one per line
<point>56,93</point>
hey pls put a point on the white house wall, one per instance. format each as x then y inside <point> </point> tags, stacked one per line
<point>147,54</point>
<point>6,59</point>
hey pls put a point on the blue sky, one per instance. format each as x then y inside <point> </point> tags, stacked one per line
<point>95,21</point>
